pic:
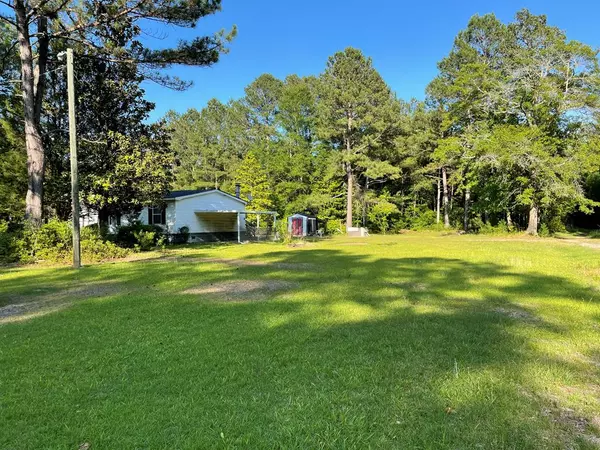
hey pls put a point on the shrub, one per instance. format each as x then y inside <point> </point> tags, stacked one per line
<point>594,234</point>
<point>8,244</point>
<point>399,225</point>
<point>381,213</point>
<point>281,231</point>
<point>335,226</point>
<point>95,249</point>
<point>544,231</point>
<point>482,227</point>
<point>145,240</point>
<point>181,237</point>
<point>128,235</point>
<point>184,232</point>
<point>53,241</point>
<point>556,225</point>
<point>421,218</point>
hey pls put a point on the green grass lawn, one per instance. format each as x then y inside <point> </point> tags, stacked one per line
<point>411,341</point>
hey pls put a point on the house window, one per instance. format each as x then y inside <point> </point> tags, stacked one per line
<point>157,216</point>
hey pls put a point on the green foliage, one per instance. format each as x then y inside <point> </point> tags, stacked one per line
<point>123,161</point>
<point>8,244</point>
<point>138,235</point>
<point>518,97</point>
<point>141,175</point>
<point>146,240</point>
<point>106,37</point>
<point>53,242</point>
<point>13,185</point>
<point>544,171</point>
<point>510,123</point>
<point>183,234</point>
<point>544,231</point>
<point>299,144</point>
<point>209,144</point>
<point>281,232</point>
<point>482,227</point>
<point>335,226</point>
<point>95,248</point>
<point>420,218</point>
<point>555,224</point>
<point>382,212</point>
<point>13,158</point>
<point>359,117</point>
<point>254,183</point>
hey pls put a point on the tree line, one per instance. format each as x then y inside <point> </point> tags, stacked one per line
<point>506,137</point>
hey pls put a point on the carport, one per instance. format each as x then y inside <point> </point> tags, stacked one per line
<point>221,221</point>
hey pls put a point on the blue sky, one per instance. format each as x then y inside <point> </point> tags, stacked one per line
<point>405,39</point>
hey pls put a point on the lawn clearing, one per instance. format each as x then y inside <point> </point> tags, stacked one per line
<point>411,341</point>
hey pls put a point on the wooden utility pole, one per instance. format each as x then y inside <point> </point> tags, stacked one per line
<point>73,150</point>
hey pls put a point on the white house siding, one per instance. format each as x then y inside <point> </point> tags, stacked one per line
<point>186,216</point>
<point>170,216</point>
<point>87,217</point>
<point>194,212</point>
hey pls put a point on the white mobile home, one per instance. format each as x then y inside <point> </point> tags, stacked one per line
<point>209,215</point>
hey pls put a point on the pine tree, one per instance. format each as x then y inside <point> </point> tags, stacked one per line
<point>358,116</point>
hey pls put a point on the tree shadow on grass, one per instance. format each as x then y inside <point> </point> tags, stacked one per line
<point>356,351</point>
<point>451,338</point>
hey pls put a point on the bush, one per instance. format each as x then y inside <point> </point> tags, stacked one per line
<point>184,232</point>
<point>381,214</point>
<point>281,231</point>
<point>544,231</point>
<point>335,226</point>
<point>95,248</point>
<point>556,225</point>
<point>399,225</point>
<point>482,227</point>
<point>181,237</point>
<point>53,242</point>
<point>129,235</point>
<point>421,218</point>
<point>146,240</point>
<point>8,244</point>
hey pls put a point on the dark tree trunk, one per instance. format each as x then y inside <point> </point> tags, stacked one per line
<point>532,227</point>
<point>438,200</point>
<point>32,87</point>
<point>365,205</point>
<point>445,200</point>
<point>103,216</point>
<point>467,205</point>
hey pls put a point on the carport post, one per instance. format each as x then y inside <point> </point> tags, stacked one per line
<point>238,225</point>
